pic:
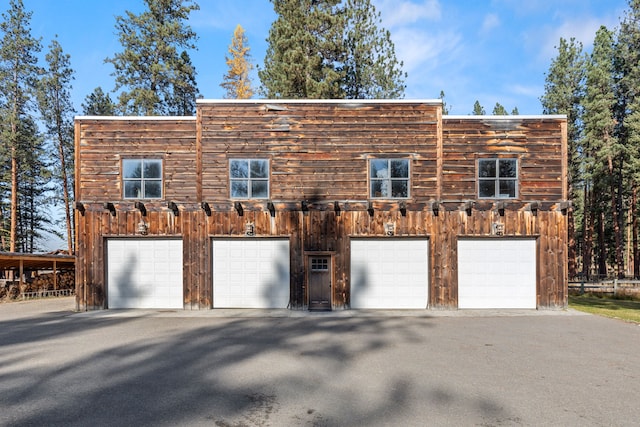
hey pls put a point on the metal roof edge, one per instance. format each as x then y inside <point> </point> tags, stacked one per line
<point>152,118</point>
<point>318,101</point>
<point>513,117</point>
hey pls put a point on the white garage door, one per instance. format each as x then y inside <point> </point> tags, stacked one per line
<point>496,273</point>
<point>144,273</point>
<point>251,273</point>
<point>389,273</point>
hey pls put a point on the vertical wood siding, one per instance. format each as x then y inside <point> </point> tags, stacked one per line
<point>318,153</point>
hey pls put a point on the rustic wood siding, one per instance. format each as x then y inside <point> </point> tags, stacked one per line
<point>318,151</point>
<point>103,143</point>
<point>537,143</point>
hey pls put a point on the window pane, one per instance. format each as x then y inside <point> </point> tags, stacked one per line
<point>379,168</point>
<point>259,169</point>
<point>239,189</point>
<point>132,168</point>
<point>239,169</point>
<point>508,168</point>
<point>508,188</point>
<point>399,188</point>
<point>399,169</point>
<point>133,189</point>
<point>260,189</point>
<point>487,168</point>
<point>152,169</point>
<point>379,188</point>
<point>487,188</point>
<point>152,189</point>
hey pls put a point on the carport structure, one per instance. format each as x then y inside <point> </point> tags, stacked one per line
<point>18,263</point>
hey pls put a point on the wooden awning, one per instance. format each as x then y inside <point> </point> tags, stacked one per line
<point>18,261</point>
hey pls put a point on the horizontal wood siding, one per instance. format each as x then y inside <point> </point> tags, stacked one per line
<point>103,143</point>
<point>318,151</point>
<point>537,143</point>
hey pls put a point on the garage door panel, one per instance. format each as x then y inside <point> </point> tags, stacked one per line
<point>497,273</point>
<point>389,273</point>
<point>144,273</point>
<point>251,273</point>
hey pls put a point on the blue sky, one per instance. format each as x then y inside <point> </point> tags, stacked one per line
<point>491,51</point>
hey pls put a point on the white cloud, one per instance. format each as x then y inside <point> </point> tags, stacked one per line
<point>525,90</point>
<point>583,31</point>
<point>490,22</point>
<point>419,49</point>
<point>399,13</point>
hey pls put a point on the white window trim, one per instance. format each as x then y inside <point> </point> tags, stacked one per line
<point>142,179</point>
<point>249,179</point>
<point>389,159</point>
<point>497,178</point>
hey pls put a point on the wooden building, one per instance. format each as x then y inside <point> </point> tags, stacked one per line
<point>321,205</point>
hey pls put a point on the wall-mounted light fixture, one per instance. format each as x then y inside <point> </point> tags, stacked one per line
<point>110,207</point>
<point>80,208</point>
<point>272,209</point>
<point>370,209</point>
<point>143,228</point>
<point>206,208</point>
<point>174,208</point>
<point>141,207</point>
<point>564,207</point>
<point>390,229</point>
<point>500,206</point>
<point>304,205</point>
<point>533,207</point>
<point>435,208</point>
<point>468,207</point>
<point>336,208</point>
<point>249,229</point>
<point>497,228</point>
<point>238,208</point>
<point>403,208</point>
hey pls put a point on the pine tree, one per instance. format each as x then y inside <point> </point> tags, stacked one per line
<point>305,46</point>
<point>34,185</point>
<point>499,110</point>
<point>627,70</point>
<point>237,82</point>
<point>185,89</point>
<point>445,107</point>
<point>515,111</point>
<point>371,68</point>
<point>98,103</point>
<point>478,110</point>
<point>564,90</point>
<point>149,68</point>
<point>18,80</point>
<point>600,149</point>
<point>56,109</point>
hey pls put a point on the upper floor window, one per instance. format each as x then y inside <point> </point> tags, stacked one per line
<point>249,178</point>
<point>498,178</point>
<point>389,178</point>
<point>142,178</point>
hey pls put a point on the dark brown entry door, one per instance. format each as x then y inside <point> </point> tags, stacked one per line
<point>319,275</point>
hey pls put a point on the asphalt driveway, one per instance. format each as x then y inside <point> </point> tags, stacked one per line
<point>154,368</point>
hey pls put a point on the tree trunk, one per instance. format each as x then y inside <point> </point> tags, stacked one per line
<point>587,232</point>
<point>602,252</point>
<point>634,232</point>
<point>14,194</point>
<point>65,190</point>
<point>616,216</point>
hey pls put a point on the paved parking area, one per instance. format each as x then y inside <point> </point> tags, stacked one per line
<point>271,368</point>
